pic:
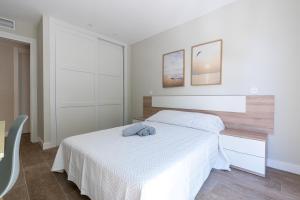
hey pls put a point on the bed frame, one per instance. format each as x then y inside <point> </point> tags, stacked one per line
<point>249,113</point>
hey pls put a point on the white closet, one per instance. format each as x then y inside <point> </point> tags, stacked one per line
<point>89,83</point>
<point>109,85</point>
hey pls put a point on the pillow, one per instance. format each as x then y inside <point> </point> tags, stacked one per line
<point>207,122</point>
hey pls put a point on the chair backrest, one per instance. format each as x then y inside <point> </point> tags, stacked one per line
<point>10,164</point>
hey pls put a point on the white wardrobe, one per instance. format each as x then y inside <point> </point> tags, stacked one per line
<point>88,83</point>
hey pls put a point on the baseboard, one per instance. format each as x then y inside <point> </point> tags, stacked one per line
<point>284,166</point>
<point>45,145</point>
<point>40,141</point>
<point>34,139</point>
<point>48,145</point>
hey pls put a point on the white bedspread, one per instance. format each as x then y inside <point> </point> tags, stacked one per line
<point>171,165</point>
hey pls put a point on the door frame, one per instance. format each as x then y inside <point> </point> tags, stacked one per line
<point>33,79</point>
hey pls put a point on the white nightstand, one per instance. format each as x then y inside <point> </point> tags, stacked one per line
<point>246,150</point>
<point>138,119</point>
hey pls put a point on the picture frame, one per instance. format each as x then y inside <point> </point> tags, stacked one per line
<point>173,67</point>
<point>206,63</point>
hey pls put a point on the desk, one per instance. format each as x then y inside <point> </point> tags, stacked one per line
<point>2,138</point>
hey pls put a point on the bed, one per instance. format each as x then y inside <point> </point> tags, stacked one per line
<point>172,164</point>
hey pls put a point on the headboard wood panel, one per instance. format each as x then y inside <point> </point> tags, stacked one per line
<point>259,115</point>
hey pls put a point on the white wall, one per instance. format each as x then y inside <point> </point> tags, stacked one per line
<point>23,29</point>
<point>46,79</point>
<point>261,49</point>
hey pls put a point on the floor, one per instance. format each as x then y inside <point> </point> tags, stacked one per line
<point>36,182</point>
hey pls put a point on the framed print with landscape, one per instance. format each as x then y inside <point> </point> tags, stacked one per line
<point>207,63</point>
<point>173,69</point>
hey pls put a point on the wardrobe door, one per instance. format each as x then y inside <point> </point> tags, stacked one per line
<point>76,79</point>
<point>109,85</point>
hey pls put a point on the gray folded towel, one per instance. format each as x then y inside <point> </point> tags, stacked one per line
<point>149,130</point>
<point>132,130</point>
<point>138,129</point>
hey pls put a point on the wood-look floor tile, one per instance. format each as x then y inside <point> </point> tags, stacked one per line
<point>17,193</point>
<point>290,183</point>
<point>42,183</point>
<point>75,195</point>
<point>241,185</point>
<point>67,186</point>
<point>37,182</point>
<point>21,179</point>
<point>25,139</point>
<point>31,155</point>
<point>49,155</point>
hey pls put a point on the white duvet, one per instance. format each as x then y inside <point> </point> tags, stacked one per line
<point>170,165</point>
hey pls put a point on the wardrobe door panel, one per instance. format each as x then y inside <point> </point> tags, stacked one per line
<point>109,116</point>
<point>110,85</point>
<point>110,59</point>
<point>75,120</point>
<point>75,51</point>
<point>76,66</point>
<point>110,90</point>
<point>75,88</point>
<point>88,83</point>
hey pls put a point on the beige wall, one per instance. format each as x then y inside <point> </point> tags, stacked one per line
<point>261,49</point>
<point>40,98</point>
<point>7,79</point>
<point>6,83</point>
<point>24,85</point>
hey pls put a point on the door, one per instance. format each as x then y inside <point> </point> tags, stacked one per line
<point>75,55</point>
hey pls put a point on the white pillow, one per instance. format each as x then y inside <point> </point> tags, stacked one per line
<point>207,122</point>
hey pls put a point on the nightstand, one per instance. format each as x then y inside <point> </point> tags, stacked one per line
<point>138,119</point>
<point>246,150</point>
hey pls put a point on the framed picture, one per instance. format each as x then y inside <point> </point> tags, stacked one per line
<point>207,63</point>
<point>173,69</point>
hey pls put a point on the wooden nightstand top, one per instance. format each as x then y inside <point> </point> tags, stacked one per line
<point>139,118</point>
<point>245,134</point>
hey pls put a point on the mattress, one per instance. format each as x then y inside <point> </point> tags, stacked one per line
<point>172,164</point>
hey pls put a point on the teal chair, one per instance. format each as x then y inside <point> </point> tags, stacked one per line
<point>10,164</point>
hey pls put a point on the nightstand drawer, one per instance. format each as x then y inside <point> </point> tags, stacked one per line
<point>247,162</point>
<point>246,146</point>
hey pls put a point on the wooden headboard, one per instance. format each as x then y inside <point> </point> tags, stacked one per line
<point>257,115</point>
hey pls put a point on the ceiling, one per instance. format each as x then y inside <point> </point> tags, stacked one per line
<point>128,21</point>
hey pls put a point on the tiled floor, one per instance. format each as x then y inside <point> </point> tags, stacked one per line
<point>36,182</point>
